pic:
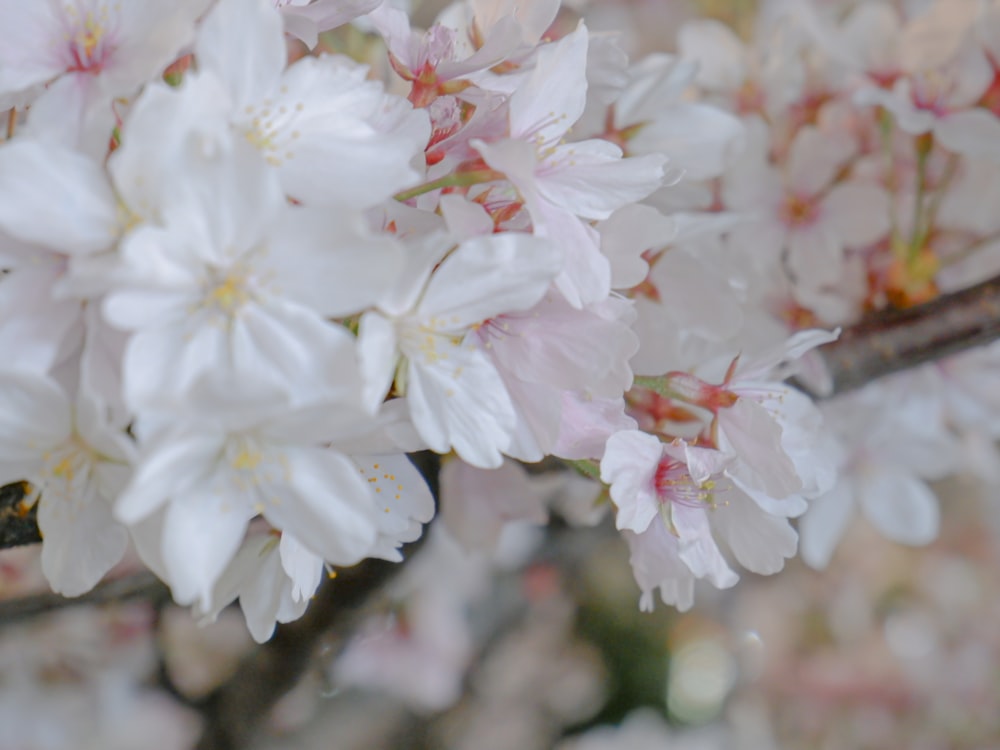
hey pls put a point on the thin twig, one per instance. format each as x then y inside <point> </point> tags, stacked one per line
<point>143,585</point>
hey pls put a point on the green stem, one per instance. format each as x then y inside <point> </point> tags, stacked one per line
<point>919,235</point>
<point>587,467</point>
<point>659,385</point>
<point>457,179</point>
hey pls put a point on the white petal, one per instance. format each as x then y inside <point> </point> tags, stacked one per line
<point>859,212</point>
<point>325,259</point>
<point>902,507</point>
<point>553,97</point>
<point>972,132</point>
<point>325,503</point>
<point>34,415</point>
<point>823,525</point>
<point>56,198</point>
<point>343,140</point>
<point>202,531</point>
<point>761,542</point>
<point>81,541</point>
<point>243,43</point>
<point>719,53</point>
<point>172,465</point>
<point>487,276</point>
<point>459,400</point>
<point>629,464</point>
<point>592,180</point>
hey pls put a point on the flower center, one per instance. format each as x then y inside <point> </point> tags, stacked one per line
<point>88,44</point>
<point>674,484</point>
<point>798,210</point>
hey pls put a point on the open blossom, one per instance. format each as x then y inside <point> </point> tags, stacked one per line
<point>77,463</point>
<point>565,184</point>
<point>88,53</point>
<point>332,135</point>
<point>457,398</point>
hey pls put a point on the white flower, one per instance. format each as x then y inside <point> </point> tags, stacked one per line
<point>89,53</point>
<point>564,184</point>
<point>333,136</point>
<point>228,302</point>
<point>456,396</point>
<point>76,463</point>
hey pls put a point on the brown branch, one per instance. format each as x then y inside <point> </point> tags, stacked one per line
<point>896,340</point>
<point>143,585</point>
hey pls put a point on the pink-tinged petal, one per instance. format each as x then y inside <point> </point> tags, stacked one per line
<point>718,52</point>
<point>591,180</point>
<point>202,531</point>
<point>656,564</point>
<point>307,21</point>
<point>81,541</point>
<point>586,425</point>
<point>761,542</point>
<point>699,300</point>
<point>150,35</point>
<point>57,198</point>
<point>816,255</point>
<point>539,410</point>
<point>243,43</point>
<point>488,276</point>
<point>859,213</point>
<point>902,507</point>
<point>585,277</point>
<point>457,399</point>
<point>626,235</point>
<point>476,504</point>
<point>750,431</point>
<point>629,467</point>
<point>324,501</point>
<point>559,345</point>
<point>814,160</point>
<point>702,463</point>
<point>763,366</point>
<point>697,547</point>
<point>547,104</point>
<point>696,138</point>
<point>971,132</point>
<point>464,218</point>
<point>823,525</point>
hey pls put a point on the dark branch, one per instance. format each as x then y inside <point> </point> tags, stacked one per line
<point>896,340</point>
<point>142,585</point>
<point>18,523</point>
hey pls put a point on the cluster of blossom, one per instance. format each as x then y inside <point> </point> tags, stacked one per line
<point>866,180</point>
<point>242,283</point>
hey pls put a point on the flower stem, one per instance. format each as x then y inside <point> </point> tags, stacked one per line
<point>456,179</point>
